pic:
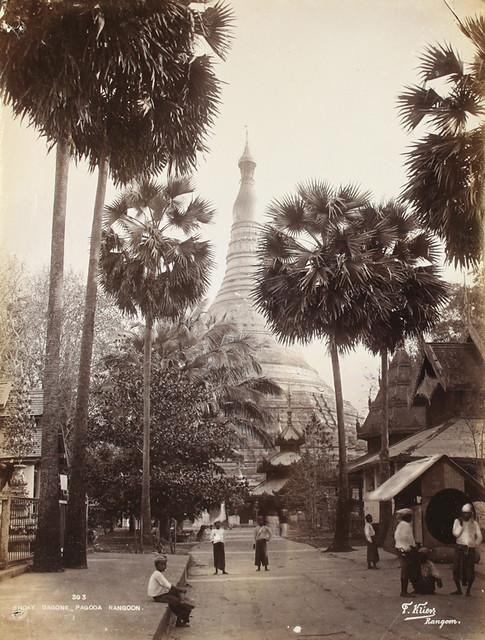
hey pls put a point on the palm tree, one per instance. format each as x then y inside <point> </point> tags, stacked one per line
<point>160,97</point>
<point>28,90</point>
<point>317,271</point>
<point>217,355</point>
<point>150,271</point>
<point>446,167</point>
<point>414,303</point>
<point>120,83</point>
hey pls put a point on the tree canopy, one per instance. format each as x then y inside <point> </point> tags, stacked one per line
<point>187,441</point>
<point>117,78</point>
<point>445,167</point>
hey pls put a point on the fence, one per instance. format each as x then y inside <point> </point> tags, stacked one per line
<point>18,528</point>
<point>22,529</point>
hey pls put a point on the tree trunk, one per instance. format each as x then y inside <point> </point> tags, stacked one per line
<point>385,508</point>
<point>47,556</point>
<point>75,543</point>
<point>341,540</point>
<point>146,519</point>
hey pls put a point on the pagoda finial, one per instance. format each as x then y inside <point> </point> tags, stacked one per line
<point>289,413</point>
<point>247,162</point>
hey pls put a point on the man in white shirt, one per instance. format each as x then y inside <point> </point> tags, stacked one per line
<point>218,549</point>
<point>370,536</point>
<point>406,547</point>
<point>468,537</point>
<point>161,590</point>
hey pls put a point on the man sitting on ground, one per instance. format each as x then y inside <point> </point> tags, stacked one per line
<point>161,590</point>
<point>428,576</point>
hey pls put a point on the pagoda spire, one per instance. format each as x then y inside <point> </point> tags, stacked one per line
<point>245,206</point>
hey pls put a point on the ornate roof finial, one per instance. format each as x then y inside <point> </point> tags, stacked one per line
<point>289,413</point>
<point>247,161</point>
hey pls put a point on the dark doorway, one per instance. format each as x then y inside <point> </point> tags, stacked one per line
<point>443,508</point>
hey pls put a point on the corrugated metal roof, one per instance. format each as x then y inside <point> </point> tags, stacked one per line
<point>402,479</point>
<point>270,487</point>
<point>414,470</point>
<point>454,438</point>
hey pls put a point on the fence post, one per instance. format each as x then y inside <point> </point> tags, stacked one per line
<point>4,530</point>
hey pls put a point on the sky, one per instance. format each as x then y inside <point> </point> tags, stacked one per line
<point>316,83</point>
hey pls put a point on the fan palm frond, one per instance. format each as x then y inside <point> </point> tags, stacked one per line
<point>438,61</point>
<point>474,29</point>
<point>216,27</point>
<point>415,103</point>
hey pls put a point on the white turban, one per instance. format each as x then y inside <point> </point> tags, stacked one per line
<point>467,508</point>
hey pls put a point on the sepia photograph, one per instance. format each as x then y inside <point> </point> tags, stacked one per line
<point>242,319</point>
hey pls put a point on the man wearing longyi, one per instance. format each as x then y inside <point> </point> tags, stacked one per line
<point>406,547</point>
<point>468,537</point>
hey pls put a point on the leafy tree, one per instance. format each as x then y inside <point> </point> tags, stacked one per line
<point>310,477</point>
<point>17,423</point>
<point>318,273</point>
<point>23,317</point>
<point>462,310</point>
<point>446,167</point>
<point>149,270</point>
<point>186,440</point>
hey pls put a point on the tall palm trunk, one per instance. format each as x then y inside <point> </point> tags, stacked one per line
<point>341,540</point>
<point>75,543</point>
<point>385,508</point>
<point>47,556</point>
<point>146,519</point>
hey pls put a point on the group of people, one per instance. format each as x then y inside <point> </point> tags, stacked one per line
<point>262,535</point>
<point>416,565</point>
<point>161,590</point>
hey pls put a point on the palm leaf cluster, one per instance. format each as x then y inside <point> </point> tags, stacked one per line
<point>319,271</point>
<point>415,302</point>
<point>217,355</point>
<point>145,265</point>
<point>125,78</point>
<point>333,265</point>
<point>445,167</point>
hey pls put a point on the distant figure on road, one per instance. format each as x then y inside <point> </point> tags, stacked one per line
<point>468,537</point>
<point>428,576</point>
<point>217,539</point>
<point>262,535</point>
<point>370,536</point>
<point>161,590</point>
<point>406,548</point>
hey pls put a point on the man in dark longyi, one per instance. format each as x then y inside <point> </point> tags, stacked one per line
<point>262,535</point>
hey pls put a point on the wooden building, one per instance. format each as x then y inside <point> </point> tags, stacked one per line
<point>435,408</point>
<point>435,488</point>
